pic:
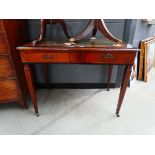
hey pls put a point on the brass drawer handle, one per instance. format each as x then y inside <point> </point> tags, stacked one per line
<point>108,55</point>
<point>48,57</point>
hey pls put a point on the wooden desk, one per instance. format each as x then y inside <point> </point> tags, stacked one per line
<point>88,51</point>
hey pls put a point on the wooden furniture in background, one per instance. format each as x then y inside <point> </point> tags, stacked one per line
<point>98,51</point>
<point>13,87</point>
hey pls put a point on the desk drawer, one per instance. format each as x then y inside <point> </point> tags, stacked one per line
<point>5,67</point>
<point>3,45</point>
<point>54,57</point>
<point>8,90</point>
<point>109,57</point>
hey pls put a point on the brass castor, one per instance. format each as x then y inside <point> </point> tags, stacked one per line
<point>37,114</point>
<point>117,115</point>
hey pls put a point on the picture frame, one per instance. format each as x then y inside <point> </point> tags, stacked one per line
<point>143,63</point>
<point>149,58</point>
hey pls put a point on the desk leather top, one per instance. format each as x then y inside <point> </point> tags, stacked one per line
<point>87,43</point>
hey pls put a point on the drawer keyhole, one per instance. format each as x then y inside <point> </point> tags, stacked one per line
<point>108,55</point>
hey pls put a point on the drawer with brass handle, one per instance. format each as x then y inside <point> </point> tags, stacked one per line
<point>40,57</point>
<point>116,57</point>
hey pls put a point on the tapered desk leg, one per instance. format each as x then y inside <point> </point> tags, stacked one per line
<point>31,87</point>
<point>109,76</point>
<point>126,76</point>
